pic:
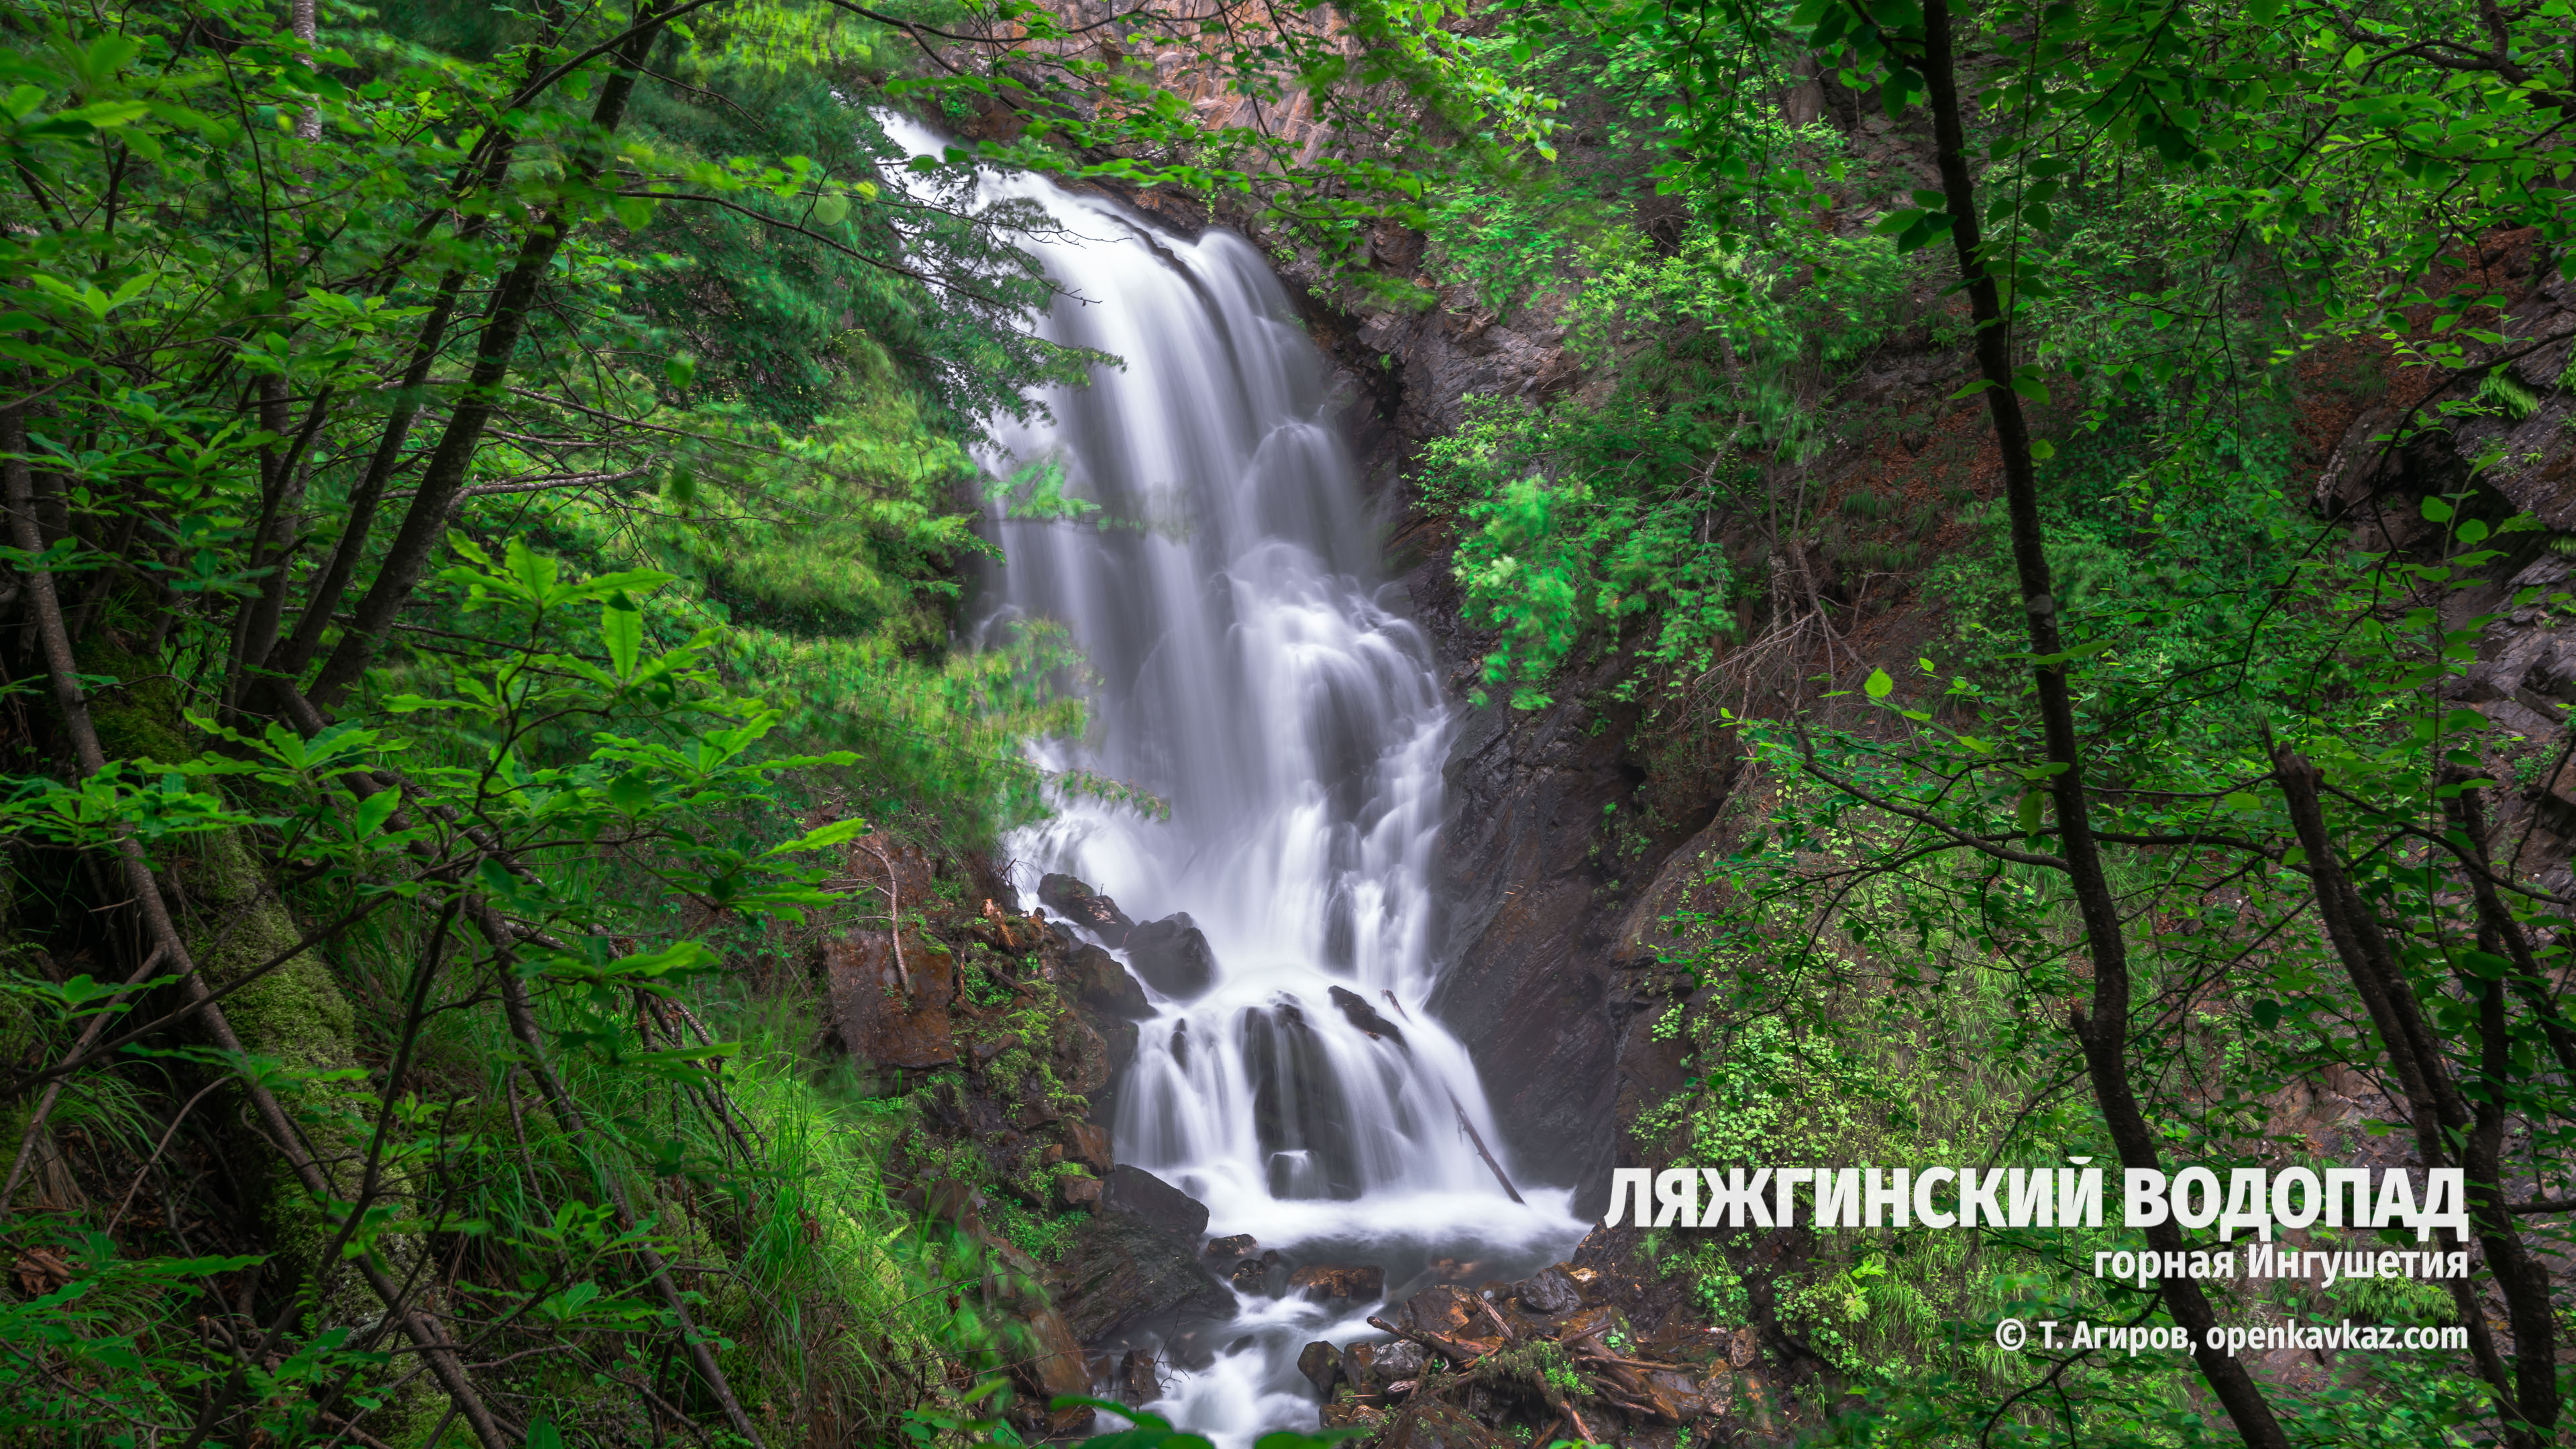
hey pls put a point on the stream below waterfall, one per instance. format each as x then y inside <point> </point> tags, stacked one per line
<point>1251,670</point>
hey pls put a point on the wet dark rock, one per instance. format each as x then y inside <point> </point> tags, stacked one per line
<point>1358,1365</point>
<point>1173,956</point>
<point>1120,1038</point>
<point>1181,1045</point>
<point>1453,1319</point>
<point>1298,1111</point>
<point>1549,1291</point>
<point>1157,1203</point>
<point>1323,1284</point>
<point>1119,1270</point>
<point>1140,1379</point>
<point>1401,1359</point>
<point>1321,1363</point>
<point>1260,1275</point>
<point>1095,979</point>
<point>1239,1246</point>
<point>1552,984</point>
<point>1085,907</point>
<point>1364,1016</point>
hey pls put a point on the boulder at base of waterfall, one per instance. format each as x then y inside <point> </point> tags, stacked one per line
<point>1393,1362</point>
<point>1140,1379</point>
<point>1160,1205</point>
<point>869,1009</point>
<point>1086,908</point>
<point>1549,1292</point>
<point>1321,1363</point>
<point>1363,1015</point>
<point>1254,1275</point>
<point>1240,1245</point>
<point>1172,955</point>
<point>1320,1284</point>
<point>1097,980</point>
<point>1118,1271</point>
<point>1451,1319</point>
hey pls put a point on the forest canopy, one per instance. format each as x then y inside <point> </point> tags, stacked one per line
<point>491,493</point>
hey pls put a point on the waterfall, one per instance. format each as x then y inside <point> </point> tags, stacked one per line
<point>1254,674</point>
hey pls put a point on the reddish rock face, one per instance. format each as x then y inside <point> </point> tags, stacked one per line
<point>1055,1369</point>
<point>1078,1191</point>
<point>1089,1145</point>
<point>1327,1284</point>
<point>872,1015</point>
<point>1450,1318</point>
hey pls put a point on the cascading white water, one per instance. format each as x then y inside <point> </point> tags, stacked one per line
<point>1251,675</point>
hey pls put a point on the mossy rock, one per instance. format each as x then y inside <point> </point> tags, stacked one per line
<point>140,720</point>
<point>297,1012</point>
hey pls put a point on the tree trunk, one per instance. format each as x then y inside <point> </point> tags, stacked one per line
<point>425,524</point>
<point>2104,1037</point>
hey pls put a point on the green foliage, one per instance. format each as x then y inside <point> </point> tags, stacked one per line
<point>494,524</point>
<point>1557,552</point>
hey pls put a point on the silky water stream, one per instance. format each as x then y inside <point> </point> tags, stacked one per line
<point>1253,673</point>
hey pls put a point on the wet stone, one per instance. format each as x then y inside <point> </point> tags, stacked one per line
<point>1140,1379</point>
<point>1097,980</point>
<point>1550,1292</point>
<point>1085,907</point>
<point>1321,1363</point>
<point>1173,956</point>
<point>1322,1284</point>
<point>1133,1190</point>
<point>1364,1016</point>
<point>1401,1359</point>
<point>1238,1246</point>
<point>1118,1271</point>
<point>1257,1275</point>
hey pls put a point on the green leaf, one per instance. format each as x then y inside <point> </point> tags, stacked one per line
<point>621,629</point>
<point>107,115</point>
<point>2026,811</point>
<point>2267,1014</point>
<point>631,792</point>
<point>2436,511</point>
<point>1878,685</point>
<point>831,210</point>
<point>375,810</point>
